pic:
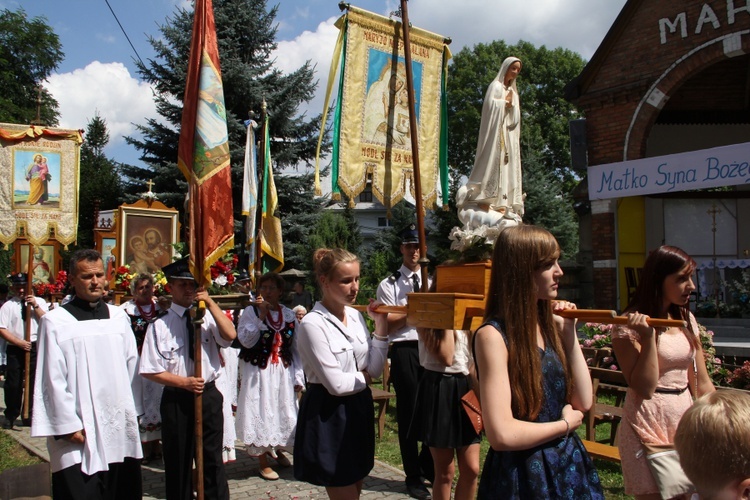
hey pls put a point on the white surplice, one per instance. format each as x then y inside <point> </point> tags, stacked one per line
<point>85,379</point>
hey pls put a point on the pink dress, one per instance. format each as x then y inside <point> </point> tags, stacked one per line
<point>654,419</point>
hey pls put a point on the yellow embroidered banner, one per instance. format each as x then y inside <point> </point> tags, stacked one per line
<point>374,133</point>
<point>39,170</point>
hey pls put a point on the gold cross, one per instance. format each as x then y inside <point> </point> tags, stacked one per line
<point>150,184</point>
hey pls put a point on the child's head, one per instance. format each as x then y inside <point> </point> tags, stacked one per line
<point>713,441</point>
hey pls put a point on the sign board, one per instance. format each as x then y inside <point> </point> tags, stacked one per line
<point>707,168</point>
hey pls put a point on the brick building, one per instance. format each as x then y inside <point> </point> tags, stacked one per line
<point>670,82</point>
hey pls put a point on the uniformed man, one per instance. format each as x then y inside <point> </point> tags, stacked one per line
<point>405,367</point>
<point>167,358</point>
<point>13,331</point>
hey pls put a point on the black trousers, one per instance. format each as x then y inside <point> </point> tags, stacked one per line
<point>121,482</point>
<point>14,378</point>
<point>178,443</point>
<point>405,374</point>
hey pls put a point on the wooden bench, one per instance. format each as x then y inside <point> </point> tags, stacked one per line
<point>605,381</point>
<point>381,398</point>
<point>602,451</point>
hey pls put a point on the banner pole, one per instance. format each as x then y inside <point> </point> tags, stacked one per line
<point>414,131</point>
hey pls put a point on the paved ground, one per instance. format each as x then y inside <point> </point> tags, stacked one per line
<point>244,482</point>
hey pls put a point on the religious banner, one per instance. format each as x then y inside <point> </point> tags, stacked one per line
<point>203,151</point>
<point>371,130</point>
<point>707,168</point>
<point>39,169</point>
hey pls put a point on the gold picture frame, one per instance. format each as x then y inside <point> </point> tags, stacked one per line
<point>145,235</point>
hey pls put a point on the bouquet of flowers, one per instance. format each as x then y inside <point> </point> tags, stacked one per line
<point>123,278</point>
<point>223,274</point>
<point>47,289</point>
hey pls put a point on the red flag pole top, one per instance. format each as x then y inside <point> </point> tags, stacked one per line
<point>203,153</point>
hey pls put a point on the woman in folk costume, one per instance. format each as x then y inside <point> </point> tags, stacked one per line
<point>271,377</point>
<point>142,311</point>
<point>664,368</point>
<point>495,180</point>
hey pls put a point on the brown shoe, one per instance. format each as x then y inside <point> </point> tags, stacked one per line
<point>282,460</point>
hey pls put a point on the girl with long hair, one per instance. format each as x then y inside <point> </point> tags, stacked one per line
<point>335,439</point>
<point>664,368</point>
<point>533,378</point>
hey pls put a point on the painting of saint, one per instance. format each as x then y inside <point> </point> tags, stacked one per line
<point>386,110</point>
<point>36,180</point>
<point>42,264</point>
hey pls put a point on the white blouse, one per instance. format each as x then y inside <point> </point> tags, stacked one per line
<point>334,354</point>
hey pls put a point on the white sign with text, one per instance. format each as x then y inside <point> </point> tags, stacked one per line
<point>707,168</point>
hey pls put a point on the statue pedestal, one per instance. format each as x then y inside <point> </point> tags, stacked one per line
<point>459,302</point>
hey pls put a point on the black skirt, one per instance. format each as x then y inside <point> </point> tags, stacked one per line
<point>334,444</point>
<point>440,420</point>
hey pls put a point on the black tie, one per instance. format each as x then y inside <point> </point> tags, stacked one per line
<point>415,282</point>
<point>191,334</point>
<point>23,311</point>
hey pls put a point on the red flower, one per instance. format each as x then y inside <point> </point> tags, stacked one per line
<point>122,270</point>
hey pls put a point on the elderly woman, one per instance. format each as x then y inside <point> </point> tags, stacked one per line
<point>299,312</point>
<point>271,376</point>
<point>142,310</point>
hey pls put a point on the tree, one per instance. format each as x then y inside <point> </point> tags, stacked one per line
<point>100,180</point>
<point>29,52</point>
<point>548,177</point>
<point>299,211</point>
<point>246,32</point>
<point>544,123</point>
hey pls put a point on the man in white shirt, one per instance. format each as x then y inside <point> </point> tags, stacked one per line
<point>166,358</point>
<point>405,368</point>
<point>13,331</point>
<point>84,401</point>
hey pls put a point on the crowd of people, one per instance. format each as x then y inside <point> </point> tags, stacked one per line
<point>115,385</point>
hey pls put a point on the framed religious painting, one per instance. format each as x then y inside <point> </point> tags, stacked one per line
<point>146,234</point>
<point>105,242</point>
<point>46,261</point>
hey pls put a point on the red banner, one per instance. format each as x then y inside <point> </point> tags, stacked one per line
<point>203,154</point>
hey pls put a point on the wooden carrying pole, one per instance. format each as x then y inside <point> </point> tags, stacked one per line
<point>200,311</point>
<point>27,336</point>
<point>414,132</point>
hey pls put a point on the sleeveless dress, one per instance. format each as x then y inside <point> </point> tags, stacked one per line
<point>654,420</point>
<point>560,468</point>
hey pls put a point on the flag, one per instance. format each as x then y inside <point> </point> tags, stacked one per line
<point>272,247</point>
<point>203,153</point>
<point>250,188</point>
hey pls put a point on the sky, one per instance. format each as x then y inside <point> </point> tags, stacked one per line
<point>98,72</point>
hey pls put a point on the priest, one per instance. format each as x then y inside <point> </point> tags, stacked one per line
<point>84,402</point>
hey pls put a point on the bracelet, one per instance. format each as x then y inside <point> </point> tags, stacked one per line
<point>567,426</point>
<point>382,338</point>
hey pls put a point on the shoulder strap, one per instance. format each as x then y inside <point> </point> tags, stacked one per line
<point>348,339</point>
<point>499,325</point>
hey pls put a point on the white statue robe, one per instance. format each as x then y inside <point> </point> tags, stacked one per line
<point>85,379</point>
<point>496,177</point>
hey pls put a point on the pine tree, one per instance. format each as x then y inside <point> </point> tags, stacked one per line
<point>246,32</point>
<point>29,52</point>
<point>100,180</point>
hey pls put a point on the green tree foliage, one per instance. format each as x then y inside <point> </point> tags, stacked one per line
<point>100,180</point>
<point>552,207</point>
<point>299,211</point>
<point>334,230</point>
<point>545,113</point>
<point>246,34</point>
<point>29,52</point>
<point>547,175</point>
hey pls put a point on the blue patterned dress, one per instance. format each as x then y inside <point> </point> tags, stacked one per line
<point>560,468</point>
